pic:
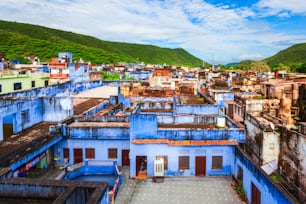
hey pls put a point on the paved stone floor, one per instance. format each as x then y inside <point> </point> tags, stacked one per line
<point>177,190</point>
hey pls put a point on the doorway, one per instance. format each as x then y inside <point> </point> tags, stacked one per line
<point>125,157</point>
<point>8,126</point>
<point>78,155</point>
<point>141,166</point>
<point>201,166</point>
<point>255,195</point>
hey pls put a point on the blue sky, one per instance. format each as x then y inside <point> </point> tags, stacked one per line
<point>216,31</point>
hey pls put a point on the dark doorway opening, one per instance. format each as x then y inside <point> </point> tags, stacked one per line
<point>125,157</point>
<point>255,195</point>
<point>201,166</point>
<point>141,166</point>
<point>8,126</point>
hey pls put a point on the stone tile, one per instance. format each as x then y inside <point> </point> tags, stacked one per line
<point>178,190</point>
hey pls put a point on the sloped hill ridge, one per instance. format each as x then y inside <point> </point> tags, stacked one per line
<point>292,55</point>
<point>19,40</point>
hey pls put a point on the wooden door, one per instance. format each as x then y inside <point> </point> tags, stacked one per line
<point>255,195</point>
<point>8,131</point>
<point>125,157</point>
<point>200,166</point>
<point>78,155</point>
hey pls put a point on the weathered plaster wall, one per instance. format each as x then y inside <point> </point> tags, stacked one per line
<point>143,126</point>
<point>188,119</point>
<point>22,114</point>
<point>270,146</point>
<point>269,191</point>
<point>101,148</point>
<point>292,159</point>
<point>205,134</point>
<point>197,109</point>
<point>173,153</point>
<point>56,109</point>
<point>98,132</point>
<point>253,106</point>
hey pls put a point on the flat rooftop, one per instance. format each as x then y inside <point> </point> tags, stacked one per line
<point>19,145</point>
<point>190,99</point>
<point>99,92</point>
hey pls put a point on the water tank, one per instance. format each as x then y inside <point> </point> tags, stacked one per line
<point>220,121</point>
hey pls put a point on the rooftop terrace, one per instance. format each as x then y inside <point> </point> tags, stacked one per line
<point>19,145</point>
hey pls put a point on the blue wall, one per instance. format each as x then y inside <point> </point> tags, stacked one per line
<point>204,134</point>
<point>197,109</point>
<point>22,114</point>
<point>173,152</point>
<point>224,96</point>
<point>101,148</point>
<point>270,193</point>
<point>143,126</point>
<point>99,132</point>
<point>93,111</point>
<point>57,108</point>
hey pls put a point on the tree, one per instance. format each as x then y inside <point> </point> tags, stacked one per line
<point>260,66</point>
<point>301,68</point>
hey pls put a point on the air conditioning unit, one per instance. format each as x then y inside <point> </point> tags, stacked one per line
<point>159,167</point>
<point>54,129</point>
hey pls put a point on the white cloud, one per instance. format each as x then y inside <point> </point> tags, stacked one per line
<point>255,56</point>
<point>204,29</point>
<point>275,7</point>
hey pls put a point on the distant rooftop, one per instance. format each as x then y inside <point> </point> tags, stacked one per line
<point>100,92</point>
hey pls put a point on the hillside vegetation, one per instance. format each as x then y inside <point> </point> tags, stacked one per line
<point>19,40</point>
<point>293,55</point>
<point>292,59</point>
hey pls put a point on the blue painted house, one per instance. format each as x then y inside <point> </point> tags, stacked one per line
<point>180,140</point>
<point>189,142</point>
<point>95,138</point>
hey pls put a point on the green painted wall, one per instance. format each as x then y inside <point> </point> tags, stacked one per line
<point>9,78</point>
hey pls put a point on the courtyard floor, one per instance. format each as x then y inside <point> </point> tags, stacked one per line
<point>177,190</point>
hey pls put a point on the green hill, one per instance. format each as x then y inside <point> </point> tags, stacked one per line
<point>292,59</point>
<point>293,55</point>
<point>19,40</point>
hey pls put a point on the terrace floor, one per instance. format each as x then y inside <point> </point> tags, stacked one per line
<point>190,99</point>
<point>177,190</point>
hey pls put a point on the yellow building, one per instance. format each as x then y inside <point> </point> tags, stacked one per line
<point>17,80</point>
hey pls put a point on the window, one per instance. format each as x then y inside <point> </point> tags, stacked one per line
<point>25,115</point>
<point>0,88</point>
<point>33,84</point>
<point>90,153</point>
<point>66,154</point>
<point>217,162</point>
<point>17,86</point>
<point>183,162</point>
<point>165,161</point>
<point>46,83</point>
<point>112,153</point>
